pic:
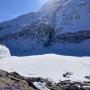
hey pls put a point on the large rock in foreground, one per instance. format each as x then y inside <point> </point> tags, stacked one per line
<point>13,81</point>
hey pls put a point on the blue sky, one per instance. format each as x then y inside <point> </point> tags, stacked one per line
<point>13,8</point>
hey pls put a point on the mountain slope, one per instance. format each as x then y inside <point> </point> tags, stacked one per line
<point>74,17</point>
<point>58,27</point>
<point>17,24</point>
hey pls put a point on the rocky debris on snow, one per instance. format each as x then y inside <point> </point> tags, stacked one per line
<point>67,74</point>
<point>88,77</point>
<point>73,85</point>
<point>14,81</point>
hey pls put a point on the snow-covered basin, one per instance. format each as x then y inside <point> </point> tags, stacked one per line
<point>50,66</point>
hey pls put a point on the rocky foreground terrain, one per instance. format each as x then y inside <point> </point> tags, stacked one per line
<point>14,81</point>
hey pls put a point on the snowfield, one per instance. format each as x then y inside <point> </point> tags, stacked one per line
<point>49,66</point>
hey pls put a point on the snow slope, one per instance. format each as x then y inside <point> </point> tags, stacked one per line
<point>48,66</point>
<point>74,16</point>
<point>41,86</point>
<point>4,52</point>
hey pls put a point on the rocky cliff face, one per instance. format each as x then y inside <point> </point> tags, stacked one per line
<point>58,27</point>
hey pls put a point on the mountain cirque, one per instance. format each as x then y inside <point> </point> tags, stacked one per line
<point>58,27</point>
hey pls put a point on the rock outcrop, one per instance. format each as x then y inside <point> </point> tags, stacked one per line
<point>14,81</point>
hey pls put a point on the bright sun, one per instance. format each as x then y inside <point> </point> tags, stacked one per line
<point>45,0</point>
